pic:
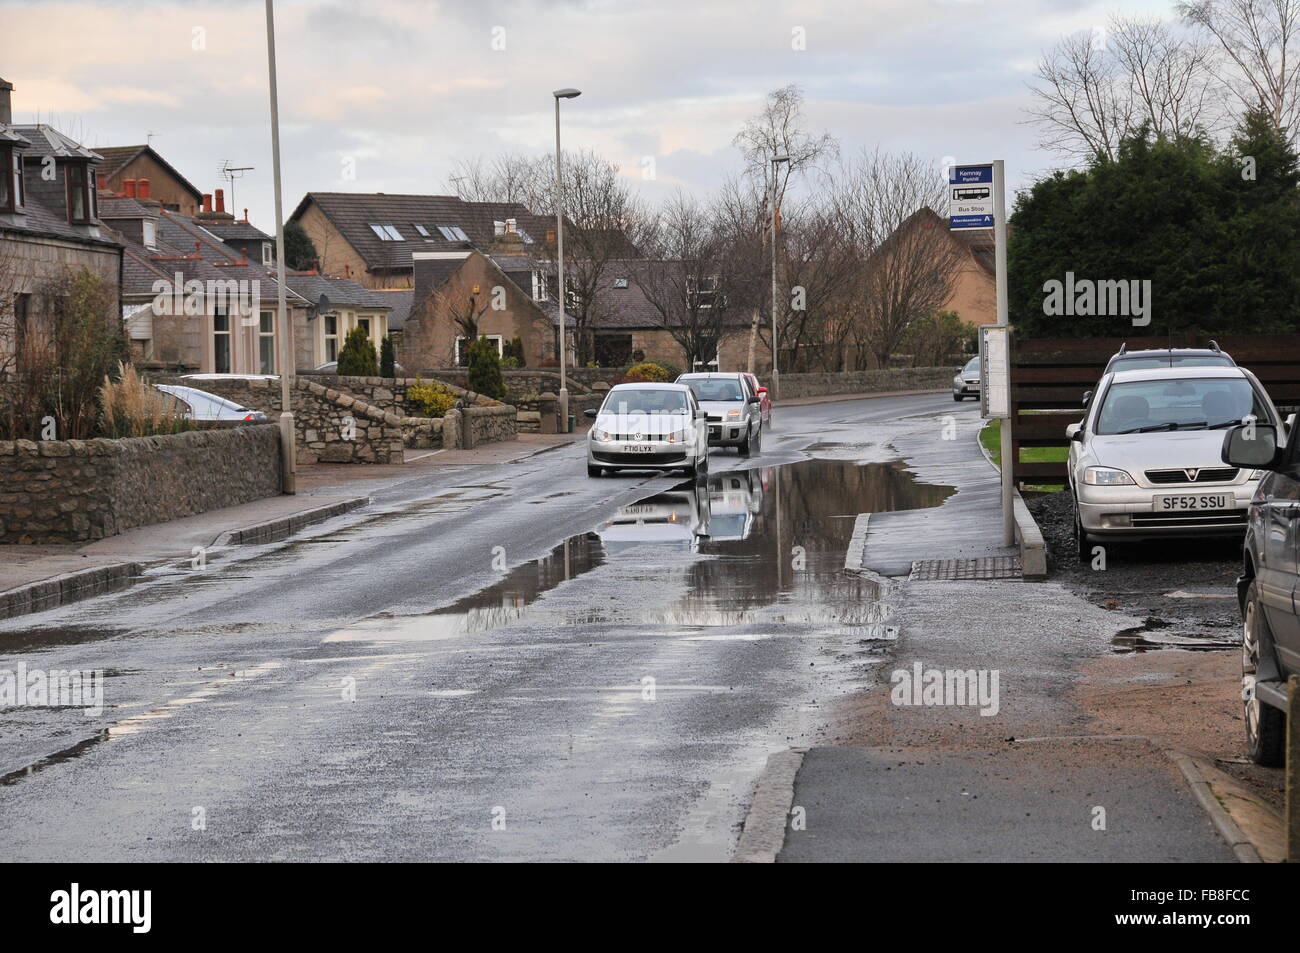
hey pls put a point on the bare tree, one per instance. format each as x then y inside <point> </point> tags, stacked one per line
<point>910,260</point>
<point>1092,89</point>
<point>685,280</point>
<point>1261,42</point>
<point>508,177</point>
<point>779,130</point>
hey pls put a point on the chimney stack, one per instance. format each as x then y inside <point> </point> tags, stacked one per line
<point>221,200</point>
<point>142,188</point>
<point>6,110</point>
<point>130,188</point>
<point>245,216</point>
<point>101,180</point>
<point>207,202</point>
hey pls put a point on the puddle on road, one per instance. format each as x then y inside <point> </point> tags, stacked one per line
<point>771,541</point>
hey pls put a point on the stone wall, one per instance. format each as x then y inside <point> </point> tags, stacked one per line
<point>72,491</point>
<point>866,382</point>
<point>351,419</point>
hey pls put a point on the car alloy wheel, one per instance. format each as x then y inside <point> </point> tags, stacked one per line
<point>1265,725</point>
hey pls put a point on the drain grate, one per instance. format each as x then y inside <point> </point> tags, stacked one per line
<point>985,567</point>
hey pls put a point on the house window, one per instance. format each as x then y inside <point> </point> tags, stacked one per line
<point>11,180</point>
<point>22,303</point>
<point>620,282</point>
<point>424,232</point>
<point>221,343</point>
<point>364,325</point>
<point>462,347</point>
<point>266,342</point>
<point>330,328</point>
<point>453,233</point>
<point>267,257</point>
<point>150,234</point>
<point>387,233</point>
<point>539,286</point>
<point>80,208</point>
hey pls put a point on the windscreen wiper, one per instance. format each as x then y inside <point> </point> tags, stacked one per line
<point>1171,425</point>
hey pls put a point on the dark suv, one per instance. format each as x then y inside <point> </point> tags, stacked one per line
<point>1267,588</point>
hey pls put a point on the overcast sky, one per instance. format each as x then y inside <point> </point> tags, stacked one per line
<point>397,91</point>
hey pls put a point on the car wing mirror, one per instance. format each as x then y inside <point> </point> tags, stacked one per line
<point>589,412</point>
<point>1251,445</point>
<point>1075,432</point>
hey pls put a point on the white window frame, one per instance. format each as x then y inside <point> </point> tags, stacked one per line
<point>268,256</point>
<point>327,337</point>
<point>499,338</point>
<point>262,335</point>
<point>539,286</point>
<point>230,343</point>
<point>149,232</point>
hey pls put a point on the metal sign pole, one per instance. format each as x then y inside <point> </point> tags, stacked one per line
<point>1000,265</point>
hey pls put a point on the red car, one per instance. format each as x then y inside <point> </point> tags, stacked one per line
<point>764,398</point>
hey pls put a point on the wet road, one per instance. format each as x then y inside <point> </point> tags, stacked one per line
<point>506,662</point>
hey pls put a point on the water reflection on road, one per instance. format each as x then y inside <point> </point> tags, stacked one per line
<point>770,541</point>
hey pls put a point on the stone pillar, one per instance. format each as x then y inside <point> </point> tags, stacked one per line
<point>549,406</point>
<point>451,430</point>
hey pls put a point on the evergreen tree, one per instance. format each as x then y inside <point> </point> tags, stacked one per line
<point>357,358</point>
<point>387,360</point>
<point>485,369</point>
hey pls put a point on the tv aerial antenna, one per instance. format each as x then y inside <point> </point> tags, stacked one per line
<point>230,173</point>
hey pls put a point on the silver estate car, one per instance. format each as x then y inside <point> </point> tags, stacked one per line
<point>1145,461</point>
<point>967,382</point>
<point>648,426</point>
<point>204,408</point>
<point>734,409</point>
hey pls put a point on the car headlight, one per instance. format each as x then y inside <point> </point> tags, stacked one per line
<point>598,434</point>
<point>1106,476</point>
<point>732,413</point>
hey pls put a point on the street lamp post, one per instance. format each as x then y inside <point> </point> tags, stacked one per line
<point>288,455</point>
<point>559,252</point>
<point>776,380</point>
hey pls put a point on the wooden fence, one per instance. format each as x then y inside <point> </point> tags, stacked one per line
<point>1049,377</point>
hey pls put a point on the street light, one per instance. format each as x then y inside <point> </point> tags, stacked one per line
<point>559,94</point>
<point>288,456</point>
<point>776,381</point>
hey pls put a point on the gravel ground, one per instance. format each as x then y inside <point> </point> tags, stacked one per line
<point>1183,589</point>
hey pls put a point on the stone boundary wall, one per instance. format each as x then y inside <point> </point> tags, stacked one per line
<point>327,408</point>
<point>72,491</point>
<point>865,382</point>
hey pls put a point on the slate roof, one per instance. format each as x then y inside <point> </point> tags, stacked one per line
<point>352,213</point>
<point>48,141</point>
<point>400,300</point>
<point>237,230</point>
<point>340,291</point>
<point>184,247</point>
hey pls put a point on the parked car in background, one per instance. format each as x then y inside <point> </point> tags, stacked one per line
<point>967,382</point>
<point>1269,583</point>
<point>732,407</point>
<point>209,409</point>
<point>764,398</point>
<point>1126,360</point>
<point>648,426</point>
<point>1145,462</point>
<point>332,367</point>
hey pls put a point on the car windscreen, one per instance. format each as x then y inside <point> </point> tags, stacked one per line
<point>645,402</point>
<point>715,388</point>
<point>971,369</point>
<point>1179,404</point>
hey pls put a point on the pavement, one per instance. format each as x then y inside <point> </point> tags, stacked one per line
<point>1035,776</point>
<point>323,491</point>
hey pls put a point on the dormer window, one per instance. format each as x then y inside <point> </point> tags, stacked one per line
<point>267,257</point>
<point>11,180</point>
<point>150,234</point>
<point>81,198</point>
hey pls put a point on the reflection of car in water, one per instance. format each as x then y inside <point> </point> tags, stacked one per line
<point>675,519</point>
<point>735,498</point>
<point>683,516</point>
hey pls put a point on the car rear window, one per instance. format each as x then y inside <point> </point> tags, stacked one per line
<point>715,388</point>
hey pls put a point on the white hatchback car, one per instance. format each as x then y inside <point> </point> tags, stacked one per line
<point>1146,462</point>
<point>648,426</point>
